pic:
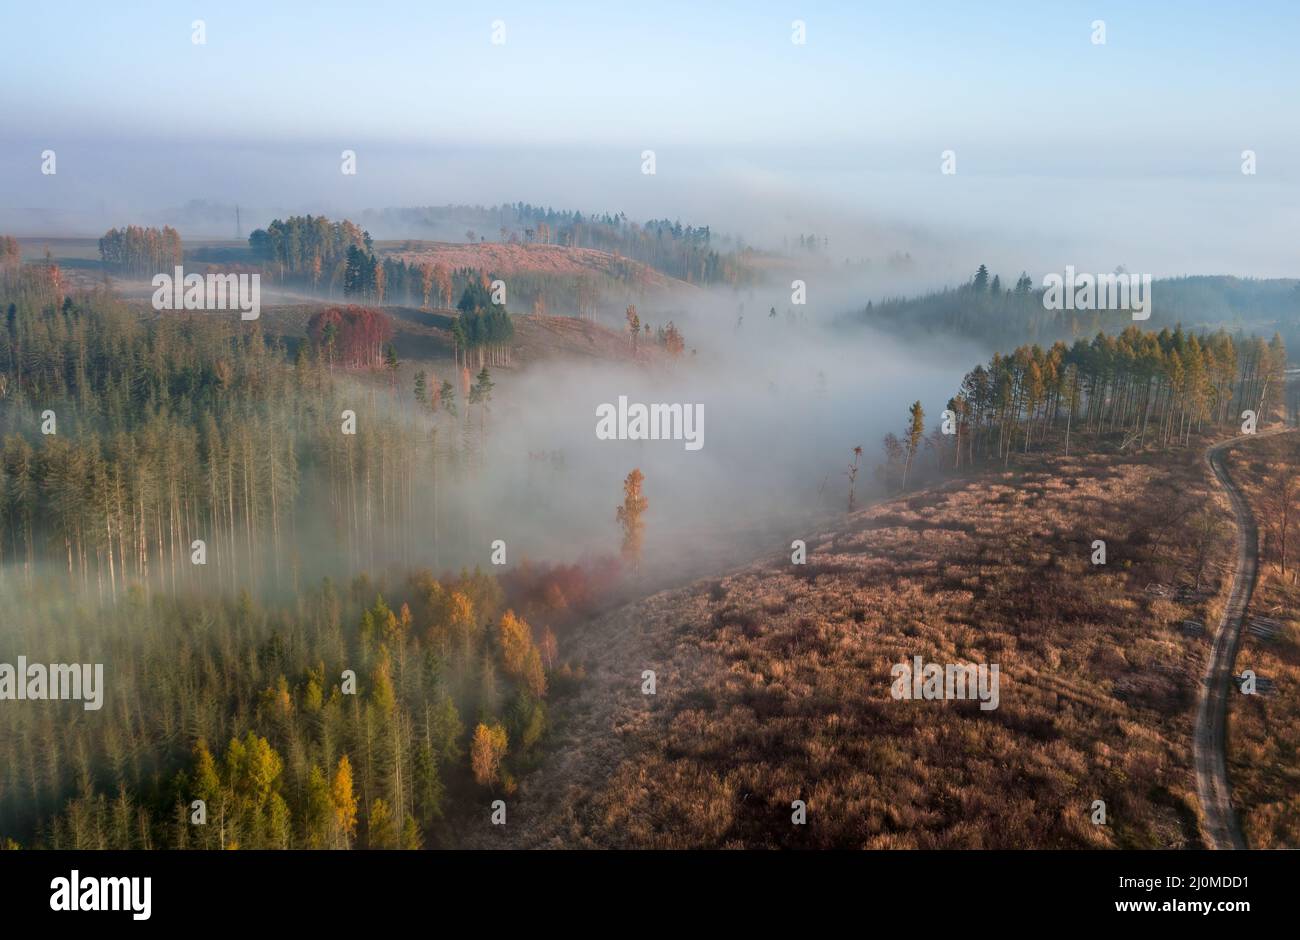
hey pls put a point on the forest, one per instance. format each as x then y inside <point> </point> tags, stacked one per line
<point>1134,390</point>
<point>161,481</point>
<point>246,532</point>
<point>339,719</point>
<point>1001,315</point>
<point>141,252</point>
<point>123,440</point>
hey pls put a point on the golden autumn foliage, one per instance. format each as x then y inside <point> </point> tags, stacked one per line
<point>343,798</point>
<point>461,616</point>
<point>486,752</point>
<point>277,701</point>
<point>520,655</point>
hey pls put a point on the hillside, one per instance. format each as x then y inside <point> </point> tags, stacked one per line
<point>773,682</point>
<point>426,335</point>
<point>998,316</point>
<point>545,260</point>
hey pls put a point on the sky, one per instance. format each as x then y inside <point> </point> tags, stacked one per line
<point>1136,142</point>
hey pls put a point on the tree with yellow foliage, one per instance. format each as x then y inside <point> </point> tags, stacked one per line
<point>344,802</point>
<point>519,654</point>
<point>486,752</point>
<point>461,620</point>
<point>259,815</point>
<point>381,831</point>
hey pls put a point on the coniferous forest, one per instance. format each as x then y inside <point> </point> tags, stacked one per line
<point>160,479</point>
<point>1143,385</point>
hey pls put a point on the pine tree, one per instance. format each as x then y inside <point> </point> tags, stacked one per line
<point>915,430</point>
<point>319,817</point>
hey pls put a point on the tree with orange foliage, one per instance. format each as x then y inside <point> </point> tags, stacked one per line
<point>486,752</point>
<point>672,340</point>
<point>629,517</point>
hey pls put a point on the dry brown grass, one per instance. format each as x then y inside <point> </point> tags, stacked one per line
<point>1264,731</point>
<point>504,259</point>
<point>773,683</point>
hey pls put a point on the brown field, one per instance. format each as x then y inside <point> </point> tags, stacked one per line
<point>79,259</point>
<point>773,682</point>
<point>1264,730</point>
<point>505,259</point>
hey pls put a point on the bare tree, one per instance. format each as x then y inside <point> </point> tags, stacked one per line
<point>1281,494</point>
<point>852,473</point>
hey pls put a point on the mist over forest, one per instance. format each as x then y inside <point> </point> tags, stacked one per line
<point>306,364</point>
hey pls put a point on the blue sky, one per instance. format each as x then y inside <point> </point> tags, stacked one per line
<point>1127,152</point>
<point>724,74</point>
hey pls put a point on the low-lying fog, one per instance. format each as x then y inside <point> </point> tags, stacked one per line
<point>783,407</point>
<point>1204,217</point>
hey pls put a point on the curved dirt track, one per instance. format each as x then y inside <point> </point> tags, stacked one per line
<point>1222,828</point>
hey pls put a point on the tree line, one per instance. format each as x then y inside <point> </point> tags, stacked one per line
<point>308,247</point>
<point>691,253</point>
<point>1003,313</point>
<point>141,252</point>
<point>124,440</point>
<point>1137,389</point>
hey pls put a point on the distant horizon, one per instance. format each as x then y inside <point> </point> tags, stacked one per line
<point>1065,150</point>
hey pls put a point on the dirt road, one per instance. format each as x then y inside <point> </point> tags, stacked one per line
<point>1222,829</point>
